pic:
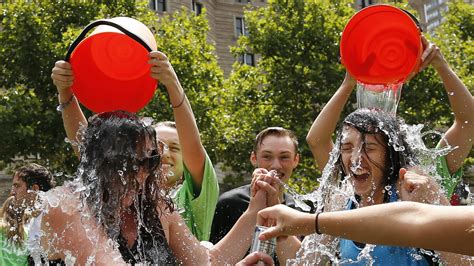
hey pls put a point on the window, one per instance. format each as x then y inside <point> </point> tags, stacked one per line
<point>248,59</point>
<point>242,1</point>
<point>240,28</point>
<point>158,5</point>
<point>197,8</point>
<point>364,3</point>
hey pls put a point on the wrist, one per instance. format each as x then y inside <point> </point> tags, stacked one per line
<point>442,67</point>
<point>64,95</point>
<point>63,104</point>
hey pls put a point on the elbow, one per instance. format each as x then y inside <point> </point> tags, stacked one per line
<point>312,142</point>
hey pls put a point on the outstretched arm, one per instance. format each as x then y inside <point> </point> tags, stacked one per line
<point>319,137</point>
<point>73,118</point>
<point>406,224</point>
<point>193,151</point>
<point>461,132</point>
<point>229,250</point>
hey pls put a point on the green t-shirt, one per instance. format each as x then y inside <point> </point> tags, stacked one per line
<point>449,182</point>
<point>198,210</point>
<point>10,254</point>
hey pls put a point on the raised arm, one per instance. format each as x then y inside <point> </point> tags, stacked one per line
<point>407,224</point>
<point>319,137</point>
<point>461,132</point>
<point>193,151</point>
<point>73,118</point>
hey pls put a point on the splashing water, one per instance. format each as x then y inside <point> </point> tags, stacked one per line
<point>334,193</point>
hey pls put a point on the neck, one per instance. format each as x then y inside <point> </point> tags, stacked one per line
<point>372,199</point>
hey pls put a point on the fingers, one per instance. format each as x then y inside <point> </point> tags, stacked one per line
<point>270,233</point>
<point>424,41</point>
<point>265,214</point>
<point>256,258</point>
<point>158,55</point>
<point>62,74</point>
<point>401,173</point>
<point>258,174</point>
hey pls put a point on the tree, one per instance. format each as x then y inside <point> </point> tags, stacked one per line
<point>298,71</point>
<point>34,36</point>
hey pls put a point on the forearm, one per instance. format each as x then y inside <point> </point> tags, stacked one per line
<point>461,133</point>
<point>234,245</point>
<point>193,151</point>
<point>405,224</point>
<point>286,248</point>
<point>319,137</point>
<point>72,116</point>
<point>459,96</point>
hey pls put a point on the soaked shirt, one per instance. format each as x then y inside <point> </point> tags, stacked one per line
<point>381,255</point>
<point>152,248</point>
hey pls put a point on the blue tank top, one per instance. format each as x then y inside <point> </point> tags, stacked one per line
<point>381,255</point>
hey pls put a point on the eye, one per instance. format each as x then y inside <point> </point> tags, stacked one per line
<point>175,149</point>
<point>346,148</point>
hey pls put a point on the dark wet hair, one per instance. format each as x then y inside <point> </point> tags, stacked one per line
<point>35,174</point>
<point>110,161</point>
<point>387,127</point>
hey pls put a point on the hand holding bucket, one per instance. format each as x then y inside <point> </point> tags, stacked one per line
<point>111,65</point>
<point>381,47</point>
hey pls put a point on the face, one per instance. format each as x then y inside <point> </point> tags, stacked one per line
<point>172,158</point>
<point>362,163</point>
<point>19,189</point>
<point>146,153</point>
<point>276,153</point>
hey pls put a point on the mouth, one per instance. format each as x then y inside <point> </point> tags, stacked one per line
<point>166,165</point>
<point>360,177</point>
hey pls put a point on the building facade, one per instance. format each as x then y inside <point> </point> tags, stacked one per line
<point>226,21</point>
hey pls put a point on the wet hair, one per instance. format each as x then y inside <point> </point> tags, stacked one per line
<point>110,161</point>
<point>388,132</point>
<point>35,174</point>
<point>12,220</point>
<point>274,131</point>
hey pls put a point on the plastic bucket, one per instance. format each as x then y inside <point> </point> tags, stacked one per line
<point>110,65</point>
<point>381,44</point>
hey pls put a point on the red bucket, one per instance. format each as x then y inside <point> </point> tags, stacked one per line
<point>110,66</point>
<point>381,44</point>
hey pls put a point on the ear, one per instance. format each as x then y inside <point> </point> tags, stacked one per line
<point>253,159</point>
<point>296,161</point>
<point>35,187</point>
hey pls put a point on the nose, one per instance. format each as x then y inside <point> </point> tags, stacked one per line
<point>165,152</point>
<point>276,165</point>
<point>355,159</point>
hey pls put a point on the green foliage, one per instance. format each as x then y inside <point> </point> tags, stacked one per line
<point>182,37</point>
<point>298,72</point>
<point>34,36</point>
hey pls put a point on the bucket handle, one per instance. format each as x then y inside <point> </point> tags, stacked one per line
<point>108,23</point>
